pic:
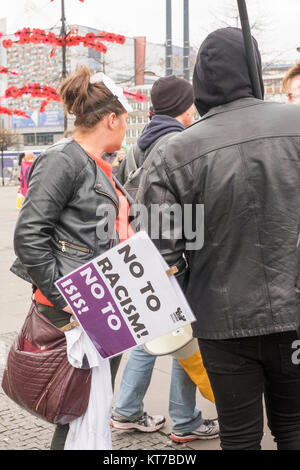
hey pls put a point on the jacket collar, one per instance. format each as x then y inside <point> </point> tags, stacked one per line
<point>237,104</point>
<point>103,184</point>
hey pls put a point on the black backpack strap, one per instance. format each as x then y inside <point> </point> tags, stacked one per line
<point>127,165</point>
<point>131,160</point>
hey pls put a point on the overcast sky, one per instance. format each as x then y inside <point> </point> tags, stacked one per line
<point>278,19</point>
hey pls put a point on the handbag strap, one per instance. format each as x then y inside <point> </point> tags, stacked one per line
<point>69,326</point>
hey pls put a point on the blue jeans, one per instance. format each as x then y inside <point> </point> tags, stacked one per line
<point>135,382</point>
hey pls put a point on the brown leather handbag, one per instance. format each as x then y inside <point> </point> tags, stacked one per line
<point>38,375</point>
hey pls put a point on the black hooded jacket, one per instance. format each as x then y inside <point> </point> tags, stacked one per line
<point>221,73</point>
<point>241,162</point>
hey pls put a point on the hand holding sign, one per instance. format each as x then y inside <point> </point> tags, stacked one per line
<point>124,297</point>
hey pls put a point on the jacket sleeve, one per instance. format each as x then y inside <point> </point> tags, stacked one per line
<point>164,216</point>
<point>51,186</point>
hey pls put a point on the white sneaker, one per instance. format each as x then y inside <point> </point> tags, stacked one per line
<point>209,429</point>
<point>145,423</point>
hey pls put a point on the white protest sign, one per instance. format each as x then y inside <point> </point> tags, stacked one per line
<point>124,297</point>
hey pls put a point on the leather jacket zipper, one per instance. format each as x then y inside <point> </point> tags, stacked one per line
<point>71,245</point>
<point>107,195</point>
<point>49,385</point>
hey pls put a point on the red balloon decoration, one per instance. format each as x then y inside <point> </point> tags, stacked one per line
<point>9,112</point>
<point>5,70</point>
<point>7,43</point>
<point>36,90</point>
<point>137,96</point>
<point>38,36</point>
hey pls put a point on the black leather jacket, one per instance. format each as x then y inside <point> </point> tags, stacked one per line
<point>242,161</point>
<point>67,219</point>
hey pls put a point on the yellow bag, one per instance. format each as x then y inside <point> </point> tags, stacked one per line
<point>20,200</point>
<point>190,359</point>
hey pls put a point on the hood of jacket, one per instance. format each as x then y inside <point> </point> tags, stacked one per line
<point>159,125</point>
<point>221,72</point>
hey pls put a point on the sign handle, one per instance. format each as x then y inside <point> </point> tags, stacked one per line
<point>171,271</point>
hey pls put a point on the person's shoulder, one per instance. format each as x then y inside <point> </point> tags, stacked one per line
<point>281,118</point>
<point>281,108</point>
<point>66,150</point>
<point>185,137</point>
<point>162,142</point>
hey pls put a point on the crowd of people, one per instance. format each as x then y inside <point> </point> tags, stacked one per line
<point>241,161</point>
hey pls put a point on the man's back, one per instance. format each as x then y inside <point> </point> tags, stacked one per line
<point>242,162</point>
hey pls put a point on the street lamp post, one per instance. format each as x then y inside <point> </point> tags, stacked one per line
<point>249,48</point>
<point>186,41</point>
<point>169,68</point>
<point>64,48</point>
<point>2,160</point>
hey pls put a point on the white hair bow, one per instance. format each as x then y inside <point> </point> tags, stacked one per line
<point>115,90</point>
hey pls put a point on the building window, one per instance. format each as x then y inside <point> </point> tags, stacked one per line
<point>38,139</point>
<point>29,139</point>
<point>44,139</point>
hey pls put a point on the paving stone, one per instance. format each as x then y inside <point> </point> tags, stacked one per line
<point>19,430</point>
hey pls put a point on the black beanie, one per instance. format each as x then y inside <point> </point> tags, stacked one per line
<point>171,96</point>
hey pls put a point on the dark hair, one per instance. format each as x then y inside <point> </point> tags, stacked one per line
<point>80,97</point>
<point>21,156</point>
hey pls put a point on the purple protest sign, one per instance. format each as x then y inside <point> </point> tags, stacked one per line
<point>125,298</point>
<point>94,307</point>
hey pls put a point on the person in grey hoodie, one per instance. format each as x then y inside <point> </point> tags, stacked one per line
<point>172,100</point>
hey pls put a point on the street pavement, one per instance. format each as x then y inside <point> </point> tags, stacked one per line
<point>19,430</point>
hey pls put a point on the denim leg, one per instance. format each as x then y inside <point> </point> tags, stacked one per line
<point>134,384</point>
<point>182,404</point>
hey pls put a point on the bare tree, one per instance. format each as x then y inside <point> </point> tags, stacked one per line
<point>261,25</point>
<point>8,138</point>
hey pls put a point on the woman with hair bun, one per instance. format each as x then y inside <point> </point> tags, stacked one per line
<point>73,208</point>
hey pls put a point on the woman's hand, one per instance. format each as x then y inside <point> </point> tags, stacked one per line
<point>68,310</point>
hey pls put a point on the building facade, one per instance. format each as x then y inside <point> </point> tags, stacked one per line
<point>41,63</point>
<point>273,76</point>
